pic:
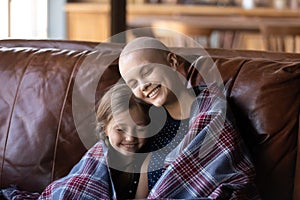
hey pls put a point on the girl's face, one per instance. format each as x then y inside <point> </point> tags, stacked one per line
<point>151,77</point>
<point>127,134</point>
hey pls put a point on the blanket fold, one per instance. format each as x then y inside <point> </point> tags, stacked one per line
<point>211,162</point>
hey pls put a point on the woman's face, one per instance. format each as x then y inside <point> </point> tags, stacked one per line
<point>127,134</point>
<point>150,76</point>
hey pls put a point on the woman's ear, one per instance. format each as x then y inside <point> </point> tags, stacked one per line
<point>173,60</point>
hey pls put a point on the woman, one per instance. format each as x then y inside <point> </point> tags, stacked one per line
<point>198,153</point>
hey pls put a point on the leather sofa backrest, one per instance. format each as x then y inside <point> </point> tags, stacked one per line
<point>47,119</point>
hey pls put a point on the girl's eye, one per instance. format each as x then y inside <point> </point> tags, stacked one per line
<point>120,130</point>
<point>141,129</point>
<point>141,132</point>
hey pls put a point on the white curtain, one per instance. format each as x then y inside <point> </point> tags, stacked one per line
<point>4,19</point>
<point>26,19</point>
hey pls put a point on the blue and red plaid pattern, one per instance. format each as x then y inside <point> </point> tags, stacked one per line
<point>211,162</point>
<point>89,179</point>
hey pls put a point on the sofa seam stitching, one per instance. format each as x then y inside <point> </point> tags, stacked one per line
<point>11,114</point>
<point>61,114</point>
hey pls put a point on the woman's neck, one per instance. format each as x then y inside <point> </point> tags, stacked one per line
<point>180,108</point>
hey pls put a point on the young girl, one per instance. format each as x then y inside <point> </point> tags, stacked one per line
<point>110,169</point>
<point>125,137</point>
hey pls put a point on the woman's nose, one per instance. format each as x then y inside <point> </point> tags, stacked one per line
<point>145,86</point>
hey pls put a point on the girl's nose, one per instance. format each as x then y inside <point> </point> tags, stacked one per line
<point>129,137</point>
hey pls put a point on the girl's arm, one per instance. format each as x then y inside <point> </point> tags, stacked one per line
<point>142,189</point>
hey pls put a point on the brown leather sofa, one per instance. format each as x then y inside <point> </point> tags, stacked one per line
<point>40,139</point>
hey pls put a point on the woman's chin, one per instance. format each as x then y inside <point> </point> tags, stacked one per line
<point>158,101</point>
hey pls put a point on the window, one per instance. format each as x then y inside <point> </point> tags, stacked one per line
<point>26,19</point>
<point>4,19</point>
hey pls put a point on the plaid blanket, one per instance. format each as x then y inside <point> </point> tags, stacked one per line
<point>89,179</point>
<point>211,162</point>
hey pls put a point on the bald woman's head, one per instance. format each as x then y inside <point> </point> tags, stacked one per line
<point>142,51</point>
<point>143,43</point>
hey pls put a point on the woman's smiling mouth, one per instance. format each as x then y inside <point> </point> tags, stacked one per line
<point>154,92</point>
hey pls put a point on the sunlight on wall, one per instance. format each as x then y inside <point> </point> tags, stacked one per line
<point>28,19</point>
<point>4,19</point>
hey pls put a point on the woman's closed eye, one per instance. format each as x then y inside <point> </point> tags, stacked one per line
<point>146,71</point>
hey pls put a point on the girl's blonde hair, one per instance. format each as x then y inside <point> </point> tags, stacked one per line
<point>120,98</point>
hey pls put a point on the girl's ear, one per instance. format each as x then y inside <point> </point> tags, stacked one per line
<point>173,60</point>
<point>105,131</point>
<point>104,136</point>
